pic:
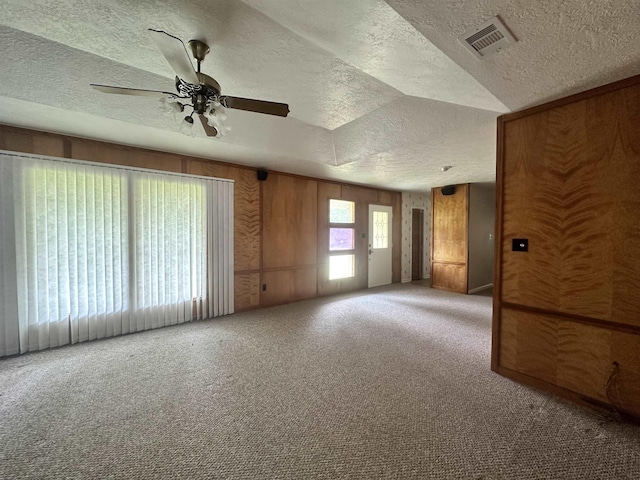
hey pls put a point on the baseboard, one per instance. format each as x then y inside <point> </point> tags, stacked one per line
<point>483,287</point>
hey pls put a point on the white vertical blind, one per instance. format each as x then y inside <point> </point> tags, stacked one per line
<point>170,238</point>
<point>220,249</point>
<point>71,236</point>
<point>9,333</point>
<point>95,251</point>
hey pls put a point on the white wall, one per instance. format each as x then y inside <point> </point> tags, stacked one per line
<point>410,201</point>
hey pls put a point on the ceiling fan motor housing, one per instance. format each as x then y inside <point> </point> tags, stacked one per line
<point>207,90</point>
<point>199,103</point>
<point>209,85</point>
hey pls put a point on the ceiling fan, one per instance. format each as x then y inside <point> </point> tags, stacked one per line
<point>196,90</point>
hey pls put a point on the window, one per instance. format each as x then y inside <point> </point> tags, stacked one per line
<point>341,266</point>
<point>341,239</point>
<point>75,242</point>
<point>380,230</point>
<point>342,211</point>
<point>170,241</point>
<point>98,251</point>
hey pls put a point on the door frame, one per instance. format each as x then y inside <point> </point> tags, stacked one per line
<point>422,242</point>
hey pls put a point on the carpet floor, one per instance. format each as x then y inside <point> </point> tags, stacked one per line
<point>393,382</point>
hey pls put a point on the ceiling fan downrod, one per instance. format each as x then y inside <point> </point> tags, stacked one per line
<point>199,50</point>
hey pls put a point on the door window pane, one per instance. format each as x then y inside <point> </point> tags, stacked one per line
<point>341,266</point>
<point>380,229</point>
<point>341,239</point>
<point>342,211</point>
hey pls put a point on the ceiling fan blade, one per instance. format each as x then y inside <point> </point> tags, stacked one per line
<point>176,54</point>
<point>131,91</point>
<point>258,106</point>
<point>208,129</point>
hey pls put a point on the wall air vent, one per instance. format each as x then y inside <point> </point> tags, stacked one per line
<point>490,37</point>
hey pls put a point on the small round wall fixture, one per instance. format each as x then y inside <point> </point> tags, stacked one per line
<point>446,167</point>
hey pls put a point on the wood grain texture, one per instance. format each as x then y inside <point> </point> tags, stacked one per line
<point>496,325</point>
<point>246,215</point>
<point>385,198</point>
<point>583,363</point>
<point>604,407</point>
<point>290,226</point>
<point>449,276</point>
<point>569,187</point>
<point>359,194</point>
<point>507,343</point>
<point>18,140</point>
<point>94,151</point>
<point>450,222</point>
<point>450,239</point>
<point>567,175</point>
<point>247,291</point>
<point>574,356</point>
<point>284,286</point>
<point>624,392</point>
<point>326,192</point>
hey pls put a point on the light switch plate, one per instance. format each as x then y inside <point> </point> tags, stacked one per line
<point>520,245</point>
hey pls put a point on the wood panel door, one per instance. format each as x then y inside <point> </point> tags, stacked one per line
<point>449,239</point>
<point>569,183</point>
<point>566,314</point>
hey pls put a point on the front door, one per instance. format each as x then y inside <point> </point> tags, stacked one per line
<point>380,243</point>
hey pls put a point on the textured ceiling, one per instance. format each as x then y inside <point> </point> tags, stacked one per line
<point>563,47</point>
<point>381,93</point>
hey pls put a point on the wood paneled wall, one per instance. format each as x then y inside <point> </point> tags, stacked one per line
<point>290,235</point>
<point>450,239</point>
<point>280,225</point>
<point>567,312</point>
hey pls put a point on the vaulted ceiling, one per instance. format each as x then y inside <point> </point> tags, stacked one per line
<point>381,93</point>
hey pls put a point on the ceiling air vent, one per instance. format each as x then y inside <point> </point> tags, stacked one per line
<point>490,37</point>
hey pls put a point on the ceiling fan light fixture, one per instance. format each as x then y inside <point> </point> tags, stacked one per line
<point>196,90</point>
<point>186,126</point>
<point>216,116</point>
<point>171,107</point>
